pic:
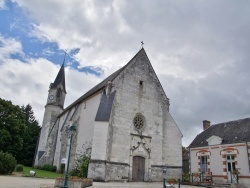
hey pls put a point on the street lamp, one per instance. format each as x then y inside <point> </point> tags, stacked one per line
<point>71,132</point>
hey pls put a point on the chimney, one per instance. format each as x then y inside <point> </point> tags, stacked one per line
<point>206,124</point>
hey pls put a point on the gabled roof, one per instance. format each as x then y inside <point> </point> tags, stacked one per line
<point>231,132</point>
<point>60,79</point>
<point>102,84</point>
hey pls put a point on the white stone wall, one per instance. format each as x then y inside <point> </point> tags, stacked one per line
<point>57,157</point>
<point>172,147</point>
<point>87,122</point>
<point>82,117</point>
<point>116,142</point>
<point>100,139</point>
<point>150,101</point>
<point>50,114</point>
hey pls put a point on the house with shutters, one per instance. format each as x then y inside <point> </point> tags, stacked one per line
<point>124,121</point>
<point>223,149</point>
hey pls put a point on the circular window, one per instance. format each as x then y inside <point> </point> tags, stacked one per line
<point>139,122</point>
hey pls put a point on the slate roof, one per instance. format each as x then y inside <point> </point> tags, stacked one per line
<point>101,85</point>
<point>60,78</point>
<point>237,131</point>
<point>105,107</point>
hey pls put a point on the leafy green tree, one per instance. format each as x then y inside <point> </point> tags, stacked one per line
<point>184,150</point>
<point>19,131</point>
<point>32,134</point>
<point>12,128</point>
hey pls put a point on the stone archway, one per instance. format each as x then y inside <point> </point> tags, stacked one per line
<point>138,169</point>
<point>140,161</point>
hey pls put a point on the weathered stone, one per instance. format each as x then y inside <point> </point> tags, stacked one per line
<point>139,124</point>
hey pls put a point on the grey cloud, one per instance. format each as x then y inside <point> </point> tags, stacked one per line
<point>199,49</point>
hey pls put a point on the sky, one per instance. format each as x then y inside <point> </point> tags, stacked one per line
<point>199,49</point>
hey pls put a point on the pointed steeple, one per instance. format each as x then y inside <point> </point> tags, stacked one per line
<point>60,79</point>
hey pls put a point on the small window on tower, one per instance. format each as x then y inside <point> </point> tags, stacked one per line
<point>59,94</point>
<point>141,83</point>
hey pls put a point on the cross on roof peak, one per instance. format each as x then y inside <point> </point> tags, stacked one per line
<point>142,44</point>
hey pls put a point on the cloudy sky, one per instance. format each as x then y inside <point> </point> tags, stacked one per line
<point>200,51</point>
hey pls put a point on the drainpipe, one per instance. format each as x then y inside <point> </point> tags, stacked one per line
<point>189,160</point>
<point>248,158</point>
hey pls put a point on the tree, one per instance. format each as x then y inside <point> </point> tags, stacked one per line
<point>32,134</point>
<point>12,128</point>
<point>19,131</point>
<point>184,150</point>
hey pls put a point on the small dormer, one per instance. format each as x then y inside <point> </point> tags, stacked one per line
<point>109,88</point>
<point>214,140</point>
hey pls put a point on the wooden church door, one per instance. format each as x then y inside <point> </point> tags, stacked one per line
<point>138,169</point>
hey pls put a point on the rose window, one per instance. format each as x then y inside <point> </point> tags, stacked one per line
<point>139,122</point>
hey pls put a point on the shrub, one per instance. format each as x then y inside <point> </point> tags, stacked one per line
<point>54,168</point>
<point>62,168</point>
<point>81,168</point>
<point>37,167</point>
<point>46,167</point>
<point>84,166</point>
<point>7,163</point>
<point>186,177</point>
<point>19,168</point>
<point>75,172</point>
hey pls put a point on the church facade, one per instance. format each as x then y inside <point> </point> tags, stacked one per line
<point>124,121</point>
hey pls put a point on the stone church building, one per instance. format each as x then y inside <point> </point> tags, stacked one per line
<point>124,121</point>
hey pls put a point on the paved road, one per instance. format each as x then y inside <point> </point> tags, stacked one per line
<point>134,185</point>
<point>26,182</point>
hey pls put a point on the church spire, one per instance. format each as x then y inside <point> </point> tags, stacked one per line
<point>60,79</point>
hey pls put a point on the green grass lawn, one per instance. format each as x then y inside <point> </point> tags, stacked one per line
<point>41,173</point>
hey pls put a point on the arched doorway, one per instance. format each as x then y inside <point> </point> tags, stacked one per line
<point>138,169</point>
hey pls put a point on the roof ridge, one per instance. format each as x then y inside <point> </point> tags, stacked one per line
<point>231,121</point>
<point>102,84</point>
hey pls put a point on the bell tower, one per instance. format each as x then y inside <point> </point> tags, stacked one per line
<point>57,90</point>
<point>53,107</point>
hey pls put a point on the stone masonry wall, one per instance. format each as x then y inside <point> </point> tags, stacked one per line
<point>158,173</point>
<point>139,92</point>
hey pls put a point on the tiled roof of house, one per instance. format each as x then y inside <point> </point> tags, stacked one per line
<point>231,132</point>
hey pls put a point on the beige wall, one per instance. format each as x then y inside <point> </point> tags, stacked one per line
<point>216,160</point>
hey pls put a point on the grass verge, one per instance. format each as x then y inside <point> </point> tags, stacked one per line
<point>41,173</point>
